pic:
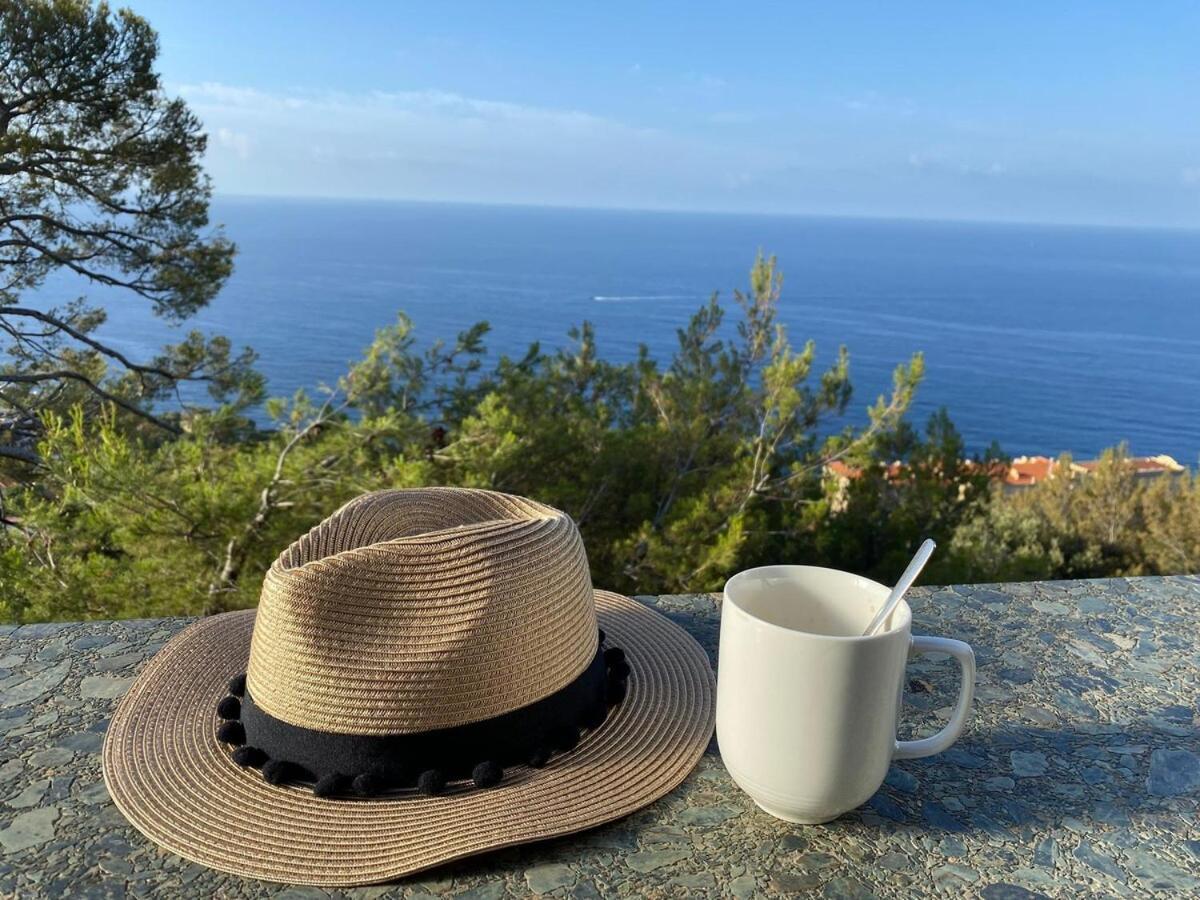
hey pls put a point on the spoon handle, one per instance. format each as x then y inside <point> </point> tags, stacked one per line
<point>902,586</point>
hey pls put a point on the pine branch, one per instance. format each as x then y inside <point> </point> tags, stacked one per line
<point>65,374</point>
<point>96,345</point>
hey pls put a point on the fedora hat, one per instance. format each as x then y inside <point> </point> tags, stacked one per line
<point>429,674</point>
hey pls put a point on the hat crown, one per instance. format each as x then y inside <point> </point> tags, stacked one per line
<point>414,610</point>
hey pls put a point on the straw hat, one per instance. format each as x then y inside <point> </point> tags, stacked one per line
<point>429,674</point>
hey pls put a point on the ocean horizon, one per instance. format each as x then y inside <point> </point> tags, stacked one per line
<point>1046,338</point>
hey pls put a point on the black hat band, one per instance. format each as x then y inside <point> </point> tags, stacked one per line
<point>338,764</point>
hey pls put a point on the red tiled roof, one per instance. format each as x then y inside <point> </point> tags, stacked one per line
<point>842,470</point>
<point>1142,465</point>
<point>1029,470</point>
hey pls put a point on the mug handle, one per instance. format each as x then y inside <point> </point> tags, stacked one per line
<point>936,743</point>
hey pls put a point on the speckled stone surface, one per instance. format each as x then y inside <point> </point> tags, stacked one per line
<point>1079,773</point>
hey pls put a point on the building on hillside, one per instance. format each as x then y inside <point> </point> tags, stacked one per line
<point>1026,471</point>
<point>842,473</point>
<point>1143,466</point>
<point>1023,472</point>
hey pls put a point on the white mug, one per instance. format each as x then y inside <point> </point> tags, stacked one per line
<point>807,708</point>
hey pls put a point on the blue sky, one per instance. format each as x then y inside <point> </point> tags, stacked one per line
<point>1059,112</point>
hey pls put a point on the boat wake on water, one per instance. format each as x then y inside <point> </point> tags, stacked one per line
<point>633,298</point>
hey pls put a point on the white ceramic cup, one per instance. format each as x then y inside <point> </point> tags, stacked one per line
<point>807,708</point>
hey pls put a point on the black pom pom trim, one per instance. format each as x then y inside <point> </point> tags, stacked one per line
<point>614,655</point>
<point>229,708</point>
<point>615,692</point>
<point>277,771</point>
<point>231,733</point>
<point>618,671</point>
<point>369,784</point>
<point>487,774</point>
<point>249,757</point>
<point>273,771</point>
<point>237,685</point>
<point>539,757</point>
<point>431,782</point>
<point>332,785</point>
<point>595,716</point>
<point>566,739</point>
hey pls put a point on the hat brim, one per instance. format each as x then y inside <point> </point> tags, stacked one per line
<point>177,784</point>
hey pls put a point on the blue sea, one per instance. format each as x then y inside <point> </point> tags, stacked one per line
<point>1044,338</point>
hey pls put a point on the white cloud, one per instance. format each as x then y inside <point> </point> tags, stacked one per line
<point>236,141</point>
<point>216,97</point>
<point>433,144</point>
<point>856,155</point>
